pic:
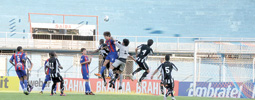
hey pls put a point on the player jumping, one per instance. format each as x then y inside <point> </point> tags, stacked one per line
<point>112,53</point>
<point>54,65</point>
<point>103,51</point>
<point>120,62</point>
<point>19,59</point>
<point>145,50</point>
<point>166,69</point>
<point>85,61</point>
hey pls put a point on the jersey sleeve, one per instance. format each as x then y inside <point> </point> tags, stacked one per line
<point>47,64</point>
<point>160,66</point>
<point>151,52</point>
<point>58,62</point>
<point>24,56</point>
<point>174,67</point>
<point>118,44</point>
<point>82,59</point>
<point>12,58</point>
<point>112,42</point>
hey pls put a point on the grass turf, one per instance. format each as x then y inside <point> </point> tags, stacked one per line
<point>46,96</point>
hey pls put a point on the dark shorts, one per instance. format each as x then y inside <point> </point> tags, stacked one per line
<point>169,83</point>
<point>21,73</point>
<point>142,65</point>
<point>112,56</point>
<point>57,79</point>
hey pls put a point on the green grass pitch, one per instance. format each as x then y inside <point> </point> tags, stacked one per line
<point>69,96</point>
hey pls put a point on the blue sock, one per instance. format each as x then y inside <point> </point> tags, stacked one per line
<point>87,87</point>
<point>55,88</point>
<point>43,86</point>
<point>102,69</point>
<point>21,83</point>
<point>25,83</point>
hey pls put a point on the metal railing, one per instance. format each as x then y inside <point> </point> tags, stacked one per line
<point>161,44</point>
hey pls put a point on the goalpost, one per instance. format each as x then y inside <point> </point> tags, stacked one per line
<point>223,65</point>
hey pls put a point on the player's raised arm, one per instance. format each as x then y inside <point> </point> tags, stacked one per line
<point>30,63</point>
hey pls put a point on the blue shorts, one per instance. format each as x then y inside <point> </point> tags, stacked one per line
<point>47,78</point>
<point>21,73</point>
<point>112,56</point>
<point>85,74</point>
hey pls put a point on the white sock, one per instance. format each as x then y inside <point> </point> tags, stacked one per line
<point>111,73</point>
<point>121,78</point>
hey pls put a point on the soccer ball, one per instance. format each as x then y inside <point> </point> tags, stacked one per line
<point>106,18</point>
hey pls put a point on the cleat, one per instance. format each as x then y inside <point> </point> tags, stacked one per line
<point>86,93</point>
<point>51,94</point>
<point>97,74</point>
<point>164,97</point>
<point>41,92</point>
<point>26,92</point>
<point>108,77</point>
<point>54,92</point>
<point>139,83</point>
<point>91,93</point>
<point>105,83</point>
<point>162,93</point>
<point>31,88</point>
<point>120,88</point>
<point>173,98</point>
<point>63,94</point>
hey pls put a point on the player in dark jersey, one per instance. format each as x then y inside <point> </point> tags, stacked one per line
<point>47,77</point>
<point>54,65</point>
<point>168,81</point>
<point>19,64</point>
<point>103,51</point>
<point>145,50</point>
<point>29,66</point>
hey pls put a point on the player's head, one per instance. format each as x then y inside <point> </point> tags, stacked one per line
<point>167,57</point>
<point>125,42</point>
<point>19,49</point>
<point>52,54</point>
<point>101,41</point>
<point>83,51</point>
<point>149,42</point>
<point>107,35</point>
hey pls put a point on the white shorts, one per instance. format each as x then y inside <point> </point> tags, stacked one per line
<point>118,63</point>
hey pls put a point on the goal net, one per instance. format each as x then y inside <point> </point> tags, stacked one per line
<point>223,69</point>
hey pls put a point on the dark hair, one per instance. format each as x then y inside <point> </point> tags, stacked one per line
<point>107,33</point>
<point>82,49</point>
<point>101,41</point>
<point>19,48</point>
<point>52,54</point>
<point>126,42</point>
<point>167,57</point>
<point>149,42</point>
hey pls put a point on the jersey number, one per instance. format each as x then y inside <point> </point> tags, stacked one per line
<point>167,69</point>
<point>144,51</point>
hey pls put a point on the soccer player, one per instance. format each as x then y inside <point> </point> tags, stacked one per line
<point>29,66</point>
<point>112,52</point>
<point>54,66</point>
<point>19,59</point>
<point>168,81</point>
<point>85,61</point>
<point>120,62</point>
<point>145,50</point>
<point>161,83</point>
<point>47,77</point>
<point>103,51</point>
